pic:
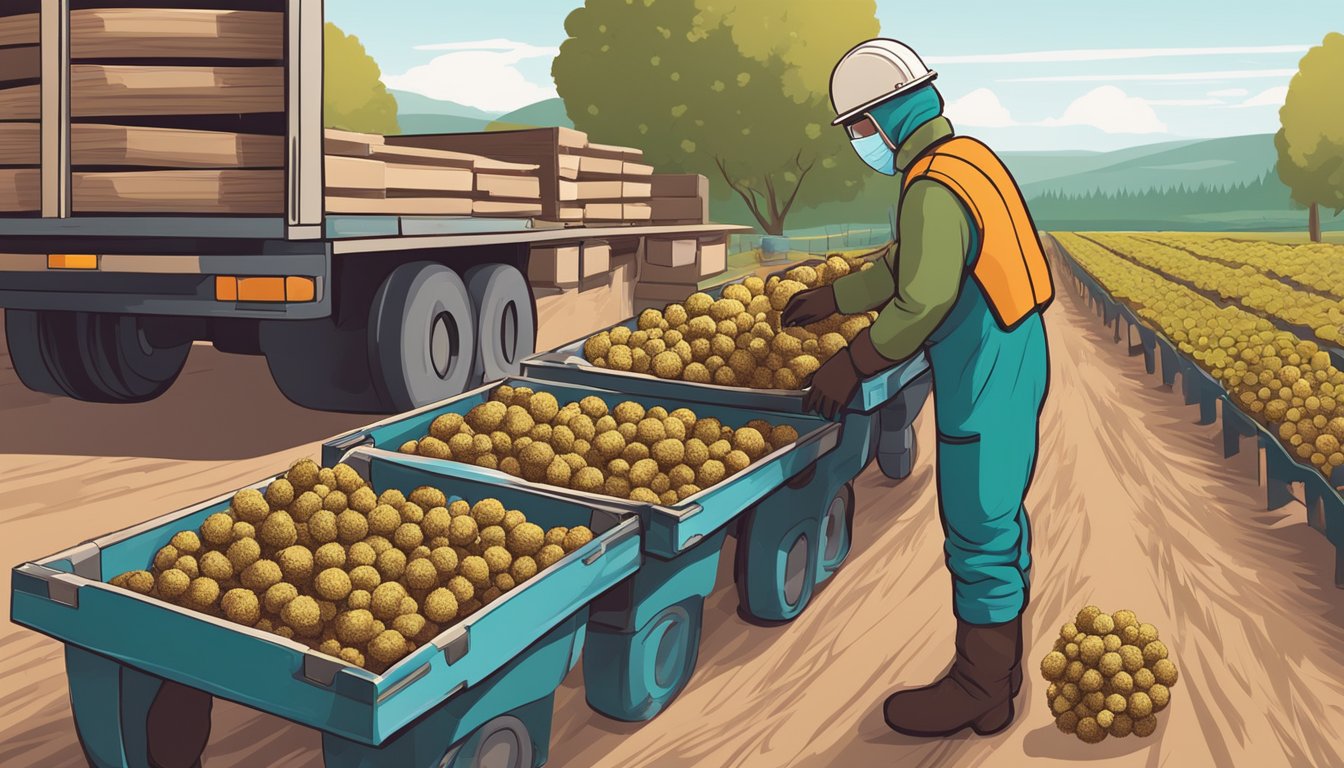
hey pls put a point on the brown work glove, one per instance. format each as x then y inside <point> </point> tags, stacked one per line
<point>809,306</point>
<point>836,382</point>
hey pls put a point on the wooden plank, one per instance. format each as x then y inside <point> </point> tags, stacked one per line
<point>501,208</point>
<point>20,144</point>
<point>713,258</point>
<point>99,144</point>
<point>21,103</point>
<point>599,165</point>
<point>569,166</point>
<point>636,211</point>
<point>22,63</point>
<point>611,151</point>
<point>19,30</point>
<point>617,212</point>
<point>355,173</point>
<point>598,191</point>
<point>680,185</point>
<point>222,192</point>
<point>369,145</point>
<point>20,190</point>
<point>636,169</point>
<point>187,33</point>
<point>528,187</point>
<point>404,206</point>
<point>100,90</point>
<point>680,209</point>
<point>429,179</point>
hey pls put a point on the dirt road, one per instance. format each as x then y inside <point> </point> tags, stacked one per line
<point>1132,506</point>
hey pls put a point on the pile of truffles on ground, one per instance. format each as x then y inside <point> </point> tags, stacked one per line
<point>650,455</point>
<point>322,559</point>
<point>738,339</point>
<point>1109,675</point>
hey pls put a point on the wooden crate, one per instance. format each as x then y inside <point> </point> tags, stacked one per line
<point>20,63</point>
<point>20,103</point>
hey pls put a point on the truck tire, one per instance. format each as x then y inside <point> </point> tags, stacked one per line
<point>422,336</point>
<point>98,357</point>
<point>23,336</point>
<point>321,364</point>
<point>506,322</point>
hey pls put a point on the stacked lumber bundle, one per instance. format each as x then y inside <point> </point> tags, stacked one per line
<point>146,137</point>
<point>601,184</point>
<point>672,269</point>
<point>20,134</point>
<point>581,183</point>
<point>367,174</point>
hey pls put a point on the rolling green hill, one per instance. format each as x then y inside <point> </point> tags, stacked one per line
<point>544,113</point>
<point>421,114</point>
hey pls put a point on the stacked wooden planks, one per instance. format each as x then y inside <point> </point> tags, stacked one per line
<point>195,125</point>
<point>20,133</point>
<point>582,183</point>
<point>601,184</point>
<point>367,174</point>
<point>680,198</point>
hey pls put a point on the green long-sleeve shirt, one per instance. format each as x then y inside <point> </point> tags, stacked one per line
<point>923,274</point>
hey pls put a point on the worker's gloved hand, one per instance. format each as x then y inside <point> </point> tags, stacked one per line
<point>810,306</point>
<point>836,382</point>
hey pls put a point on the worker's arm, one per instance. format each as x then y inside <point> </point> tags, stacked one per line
<point>935,237</point>
<point>868,289</point>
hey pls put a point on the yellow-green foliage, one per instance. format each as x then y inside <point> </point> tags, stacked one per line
<point>354,97</point>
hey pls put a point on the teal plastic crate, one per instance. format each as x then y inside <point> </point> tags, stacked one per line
<point>64,596</point>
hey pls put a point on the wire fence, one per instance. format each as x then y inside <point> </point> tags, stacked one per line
<point>819,240</point>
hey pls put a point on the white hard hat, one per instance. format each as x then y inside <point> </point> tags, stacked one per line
<point>872,72</point>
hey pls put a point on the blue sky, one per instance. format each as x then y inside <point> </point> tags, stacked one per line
<point>1059,75</point>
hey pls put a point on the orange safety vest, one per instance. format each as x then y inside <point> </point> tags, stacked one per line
<point>1011,269</point>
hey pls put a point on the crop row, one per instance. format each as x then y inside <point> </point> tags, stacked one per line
<point>1284,382</point>
<point>1248,287</point>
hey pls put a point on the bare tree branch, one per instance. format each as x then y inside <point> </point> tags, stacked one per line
<point>802,174</point>
<point>742,191</point>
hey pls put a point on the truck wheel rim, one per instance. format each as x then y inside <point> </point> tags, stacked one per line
<point>509,332</point>
<point>795,567</point>
<point>500,749</point>
<point>443,343</point>
<point>667,661</point>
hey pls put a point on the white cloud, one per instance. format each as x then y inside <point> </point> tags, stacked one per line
<point>1111,110</point>
<point>480,73</point>
<point>1229,93</point>
<point>980,108</point>
<point>1240,74</point>
<point>1183,102</point>
<point>1110,54</point>
<point>1271,97</point>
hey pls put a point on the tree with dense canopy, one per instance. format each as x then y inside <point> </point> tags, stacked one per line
<point>354,97</point>
<point>735,89</point>
<point>1311,141</point>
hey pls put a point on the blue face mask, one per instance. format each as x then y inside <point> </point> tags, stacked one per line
<point>874,151</point>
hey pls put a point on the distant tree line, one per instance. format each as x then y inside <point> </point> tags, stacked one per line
<point>1266,193</point>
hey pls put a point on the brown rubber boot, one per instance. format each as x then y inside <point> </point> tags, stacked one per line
<point>976,692</point>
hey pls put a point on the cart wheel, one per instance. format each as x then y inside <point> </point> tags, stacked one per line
<point>632,676</point>
<point>837,529</point>
<point>422,336</point>
<point>501,743</point>
<point>776,569</point>
<point>126,717</point>
<point>505,321</point>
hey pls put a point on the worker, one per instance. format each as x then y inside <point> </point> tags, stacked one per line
<point>966,281</point>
